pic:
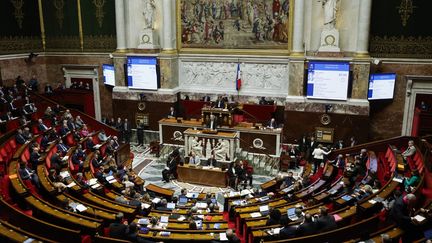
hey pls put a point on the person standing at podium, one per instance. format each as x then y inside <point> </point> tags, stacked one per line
<point>172,113</point>
<point>212,161</point>
<point>220,103</point>
<point>272,124</point>
<point>212,122</point>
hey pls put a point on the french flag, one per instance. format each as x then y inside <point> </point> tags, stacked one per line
<point>238,78</point>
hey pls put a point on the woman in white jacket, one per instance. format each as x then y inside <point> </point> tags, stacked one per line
<point>318,155</point>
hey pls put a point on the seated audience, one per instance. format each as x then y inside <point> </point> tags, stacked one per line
<point>102,136</point>
<point>232,238</point>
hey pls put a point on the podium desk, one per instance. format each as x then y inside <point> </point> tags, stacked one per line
<point>260,141</point>
<point>198,175</point>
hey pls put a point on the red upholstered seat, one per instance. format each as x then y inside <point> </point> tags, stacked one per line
<point>13,144</point>
<point>69,140</point>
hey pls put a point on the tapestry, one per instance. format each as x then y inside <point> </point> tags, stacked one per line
<point>234,24</point>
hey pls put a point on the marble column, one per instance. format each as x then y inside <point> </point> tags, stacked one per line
<point>120,24</point>
<point>168,38</point>
<point>298,28</point>
<point>363,27</point>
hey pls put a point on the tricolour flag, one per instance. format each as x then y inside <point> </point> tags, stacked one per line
<point>238,78</point>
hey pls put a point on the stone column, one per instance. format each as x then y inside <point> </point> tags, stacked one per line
<point>363,28</point>
<point>167,13</point>
<point>120,24</point>
<point>298,28</point>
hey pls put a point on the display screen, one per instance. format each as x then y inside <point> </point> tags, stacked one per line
<point>108,74</point>
<point>381,86</point>
<point>328,80</point>
<point>142,73</point>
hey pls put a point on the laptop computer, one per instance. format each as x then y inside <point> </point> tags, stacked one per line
<point>170,205</point>
<point>264,210</point>
<point>182,201</point>
<point>291,214</point>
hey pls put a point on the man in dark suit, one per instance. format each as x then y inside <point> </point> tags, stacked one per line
<point>172,113</point>
<point>34,158</point>
<point>56,161</point>
<point>220,103</point>
<point>308,227</point>
<point>96,161</point>
<point>19,137</point>
<point>7,116</point>
<point>44,142</point>
<point>28,174</point>
<point>400,213</point>
<point>288,231</point>
<point>41,126</point>
<point>76,160</point>
<point>325,222</point>
<point>64,130</point>
<point>212,161</point>
<point>117,229</point>
<point>170,170</point>
<point>272,124</point>
<point>71,124</point>
<point>63,148</point>
<point>339,144</point>
<point>12,108</point>
<point>212,123</point>
<point>232,238</point>
<point>89,144</point>
<point>48,89</point>
<point>126,130</point>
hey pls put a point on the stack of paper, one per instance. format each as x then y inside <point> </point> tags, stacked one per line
<point>419,218</point>
<point>72,184</point>
<point>64,174</point>
<point>65,158</point>
<point>255,215</point>
<point>156,200</point>
<point>223,237</point>
<point>145,206</point>
<point>81,208</point>
<point>95,186</point>
<point>92,181</point>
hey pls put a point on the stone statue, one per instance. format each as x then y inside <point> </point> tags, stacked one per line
<point>222,149</point>
<point>196,147</point>
<point>330,10</point>
<point>149,12</point>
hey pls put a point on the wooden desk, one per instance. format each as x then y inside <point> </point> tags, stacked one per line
<point>201,176</point>
<point>10,233</point>
<point>160,191</point>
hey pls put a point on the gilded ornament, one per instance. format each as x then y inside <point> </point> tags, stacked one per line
<point>18,13</point>
<point>100,14</point>
<point>59,6</point>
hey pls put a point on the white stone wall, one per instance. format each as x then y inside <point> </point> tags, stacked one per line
<point>259,77</point>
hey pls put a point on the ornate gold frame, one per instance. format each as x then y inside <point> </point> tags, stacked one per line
<point>275,52</point>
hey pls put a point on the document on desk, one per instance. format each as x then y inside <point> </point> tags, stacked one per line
<point>419,218</point>
<point>255,215</point>
<point>164,219</point>
<point>223,237</point>
<point>92,181</point>
<point>81,208</point>
<point>72,184</point>
<point>399,180</point>
<point>156,200</point>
